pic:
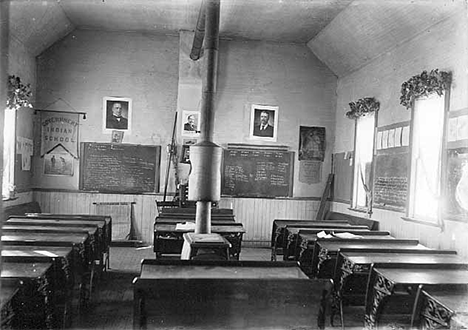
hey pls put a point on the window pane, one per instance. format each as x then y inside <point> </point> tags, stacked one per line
<point>363,153</point>
<point>8,152</point>
<point>426,157</point>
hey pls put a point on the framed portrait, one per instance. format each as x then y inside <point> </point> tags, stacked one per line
<point>117,114</point>
<point>264,122</point>
<point>190,123</point>
<point>311,143</point>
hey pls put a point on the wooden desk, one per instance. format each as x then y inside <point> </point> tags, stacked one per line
<point>279,225</point>
<point>326,250</point>
<point>94,239</point>
<point>103,225</point>
<point>217,222</point>
<point>79,242</point>
<point>440,309</point>
<point>290,248</point>
<point>306,243</point>
<point>225,295</point>
<point>168,240</point>
<point>392,288</point>
<point>8,317</point>
<point>36,296</point>
<point>353,265</point>
<point>193,210</point>
<point>62,281</point>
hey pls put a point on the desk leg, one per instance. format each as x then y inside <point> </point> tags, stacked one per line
<point>139,312</point>
<point>381,288</point>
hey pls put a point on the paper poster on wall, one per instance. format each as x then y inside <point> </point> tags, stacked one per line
<point>24,147</point>
<point>311,143</point>
<point>190,123</point>
<point>391,138</point>
<point>385,139</point>
<point>379,140</point>
<point>58,162</point>
<point>405,136</point>
<point>310,171</point>
<point>398,136</point>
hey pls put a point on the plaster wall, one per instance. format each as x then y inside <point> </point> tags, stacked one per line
<point>88,65</point>
<point>443,46</point>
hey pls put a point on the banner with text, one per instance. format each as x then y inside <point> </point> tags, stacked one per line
<point>59,129</point>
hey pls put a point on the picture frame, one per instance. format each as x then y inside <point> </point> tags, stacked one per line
<point>117,136</point>
<point>312,143</point>
<point>264,122</point>
<point>116,114</point>
<point>190,123</point>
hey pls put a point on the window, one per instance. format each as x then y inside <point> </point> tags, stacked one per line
<point>363,156</point>
<point>426,158</point>
<point>9,133</point>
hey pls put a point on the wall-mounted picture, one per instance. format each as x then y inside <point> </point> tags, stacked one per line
<point>264,122</point>
<point>117,114</point>
<point>190,123</point>
<point>185,156</point>
<point>58,162</point>
<point>190,142</point>
<point>117,136</point>
<point>311,143</point>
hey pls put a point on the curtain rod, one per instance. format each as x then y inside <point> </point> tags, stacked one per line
<point>62,111</point>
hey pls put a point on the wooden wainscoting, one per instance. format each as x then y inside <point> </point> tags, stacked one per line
<point>256,214</point>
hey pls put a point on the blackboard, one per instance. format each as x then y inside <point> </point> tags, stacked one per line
<point>119,168</point>
<point>457,181</point>
<point>343,170</point>
<point>257,173</point>
<point>391,178</point>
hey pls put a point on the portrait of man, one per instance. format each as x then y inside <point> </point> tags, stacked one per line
<point>190,123</point>
<point>117,114</point>
<point>311,143</point>
<point>264,119</point>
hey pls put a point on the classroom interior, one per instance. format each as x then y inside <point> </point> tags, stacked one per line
<point>367,106</point>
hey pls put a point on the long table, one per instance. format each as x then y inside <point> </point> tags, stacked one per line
<point>225,295</point>
<point>392,288</point>
<point>169,240</point>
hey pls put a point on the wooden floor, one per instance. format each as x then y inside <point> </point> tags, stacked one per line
<point>111,306</point>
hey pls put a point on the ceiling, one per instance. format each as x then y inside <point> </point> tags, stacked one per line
<point>344,34</point>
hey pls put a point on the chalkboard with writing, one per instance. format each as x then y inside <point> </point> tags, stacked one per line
<point>257,173</point>
<point>119,168</point>
<point>391,178</point>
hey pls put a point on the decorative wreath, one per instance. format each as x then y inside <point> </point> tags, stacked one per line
<point>424,84</point>
<point>18,94</point>
<point>362,107</point>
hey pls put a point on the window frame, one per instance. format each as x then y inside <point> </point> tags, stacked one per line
<point>353,205</point>
<point>409,214</point>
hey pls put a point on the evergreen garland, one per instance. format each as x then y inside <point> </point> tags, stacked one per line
<point>18,94</point>
<point>362,107</point>
<point>424,84</point>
